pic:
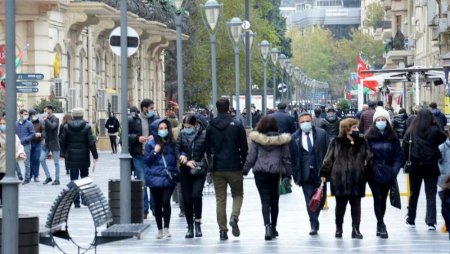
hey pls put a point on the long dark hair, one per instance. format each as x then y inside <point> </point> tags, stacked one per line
<point>373,133</point>
<point>422,122</point>
<point>169,140</point>
<point>267,124</point>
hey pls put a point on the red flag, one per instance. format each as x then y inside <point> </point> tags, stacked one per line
<point>362,66</point>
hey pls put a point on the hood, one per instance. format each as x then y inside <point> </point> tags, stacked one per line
<point>221,121</point>
<point>268,140</point>
<point>76,124</point>
<point>154,127</point>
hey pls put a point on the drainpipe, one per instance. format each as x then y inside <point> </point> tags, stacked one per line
<point>90,78</point>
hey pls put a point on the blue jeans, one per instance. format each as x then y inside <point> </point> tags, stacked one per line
<point>27,149</point>
<point>138,163</point>
<point>44,155</point>
<point>35,159</point>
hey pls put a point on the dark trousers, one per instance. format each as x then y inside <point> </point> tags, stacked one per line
<point>74,175</point>
<point>161,197</point>
<point>341,206</point>
<point>380,193</point>
<point>267,185</point>
<point>308,190</point>
<point>35,154</point>
<point>192,190</point>
<point>430,193</point>
<point>113,139</point>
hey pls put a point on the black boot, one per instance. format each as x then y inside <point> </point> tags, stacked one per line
<point>190,232</point>
<point>268,235</point>
<point>274,232</point>
<point>379,228</point>
<point>339,230</point>
<point>198,229</point>
<point>223,235</point>
<point>383,232</point>
<point>355,232</point>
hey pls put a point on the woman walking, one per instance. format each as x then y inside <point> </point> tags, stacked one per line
<point>160,172</point>
<point>269,158</point>
<point>190,150</point>
<point>67,117</point>
<point>112,125</point>
<point>345,167</point>
<point>423,137</point>
<point>387,161</point>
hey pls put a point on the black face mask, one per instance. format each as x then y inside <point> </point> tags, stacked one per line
<point>355,134</point>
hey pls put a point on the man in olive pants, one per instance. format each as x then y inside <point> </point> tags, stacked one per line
<point>226,143</point>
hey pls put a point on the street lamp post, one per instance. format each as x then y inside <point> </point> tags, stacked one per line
<point>289,68</point>
<point>180,78</point>
<point>248,94</point>
<point>274,58</point>
<point>235,32</point>
<point>282,58</point>
<point>210,18</point>
<point>265,51</point>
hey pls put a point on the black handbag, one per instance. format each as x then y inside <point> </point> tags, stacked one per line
<point>174,177</point>
<point>200,166</point>
<point>394,195</point>
<point>408,164</point>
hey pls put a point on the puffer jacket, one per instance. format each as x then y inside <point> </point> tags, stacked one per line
<point>400,125</point>
<point>192,146</point>
<point>19,150</point>
<point>331,126</point>
<point>444,162</point>
<point>269,153</point>
<point>77,140</point>
<point>155,171</point>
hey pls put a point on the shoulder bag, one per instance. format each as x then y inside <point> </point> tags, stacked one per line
<point>174,177</point>
<point>200,166</point>
<point>408,165</point>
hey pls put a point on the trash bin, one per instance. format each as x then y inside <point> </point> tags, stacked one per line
<point>137,201</point>
<point>28,233</point>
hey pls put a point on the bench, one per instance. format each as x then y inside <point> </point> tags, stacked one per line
<point>91,196</point>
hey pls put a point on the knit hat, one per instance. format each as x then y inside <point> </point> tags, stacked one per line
<point>381,112</point>
<point>77,112</point>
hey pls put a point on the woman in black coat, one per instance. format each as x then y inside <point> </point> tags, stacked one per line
<point>424,135</point>
<point>400,123</point>
<point>113,125</point>
<point>190,149</point>
<point>387,161</point>
<point>345,167</point>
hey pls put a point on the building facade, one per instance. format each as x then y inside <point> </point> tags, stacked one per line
<point>68,42</point>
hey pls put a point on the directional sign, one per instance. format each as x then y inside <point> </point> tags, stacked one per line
<point>282,87</point>
<point>29,76</point>
<point>27,89</point>
<point>132,41</point>
<point>27,83</point>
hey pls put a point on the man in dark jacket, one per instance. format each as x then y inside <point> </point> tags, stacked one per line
<point>441,118</point>
<point>400,123</point>
<point>226,146</point>
<point>308,147</point>
<point>78,140</point>
<point>36,144</point>
<point>286,123</point>
<point>112,125</point>
<point>256,116</point>
<point>331,124</point>
<point>366,119</point>
<point>25,132</point>
<point>138,135</point>
<point>51,125</point>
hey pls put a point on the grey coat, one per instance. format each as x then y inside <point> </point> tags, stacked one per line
<point>269,153</point>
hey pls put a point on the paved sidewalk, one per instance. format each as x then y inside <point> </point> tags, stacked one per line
<point>36,198</point>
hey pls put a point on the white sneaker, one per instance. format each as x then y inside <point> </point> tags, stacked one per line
<point>160,234</point>
<point>431,227</point>
<point>167,233</point>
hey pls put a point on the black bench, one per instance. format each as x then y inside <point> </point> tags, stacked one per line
<point>91,196</point>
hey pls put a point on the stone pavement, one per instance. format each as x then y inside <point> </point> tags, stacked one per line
<point>35,198</point>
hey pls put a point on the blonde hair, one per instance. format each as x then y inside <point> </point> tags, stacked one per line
<point>346,125</point>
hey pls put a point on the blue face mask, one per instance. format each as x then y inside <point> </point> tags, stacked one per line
<point>45,114</point>
<point>381,125</point>
<point>150,113</point>
<point>36,117</point>
<point>306,126</point>
<point>163,133</point>
<point>2,127</point>
<point>188,131</point>
<point>25,117</point>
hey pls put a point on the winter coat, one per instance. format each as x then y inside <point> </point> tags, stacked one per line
<point>51,125</point>
<point>112,121</point>
<point>318,121</point>
<point>25,131</point>
<point>444,162</point>
<point>425,152</point>
<point>38,128</point>
<point>331,126</point>
<point>19,150</point>
<point>135,131</point>
<point>320,146</point>
<point>400,125</point>
<point>77,140</point>
<point>156,173</point>
<point>269,153</point>
<point>256,116</point>
<point>366,120</point>
<point>226,144</point>
<point>346,166</point>
<point>285,122</point>
<point>441,118</point>
<point>387,158</point>
<point>193,146</point>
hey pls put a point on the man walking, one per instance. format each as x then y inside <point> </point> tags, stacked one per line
<point>138,135</point>
<point>308,147</point>
<point>366,119</point>
<point>112,125</point>
<point>36,144</point>
<point>25,132</point>
<point>286,123</point>
<point>440,118</point>
<point>51,124</point>
<point>226,143</point>
<point>78,140</point>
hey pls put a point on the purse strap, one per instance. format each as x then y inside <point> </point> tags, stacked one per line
<point>409,150</point>
<point>164,161</point>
